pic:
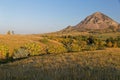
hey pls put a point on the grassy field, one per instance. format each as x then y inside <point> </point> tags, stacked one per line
<point>16,41</point>
<point>83,65</point>
<point>88,65</point>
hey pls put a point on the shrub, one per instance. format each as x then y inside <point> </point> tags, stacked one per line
<point>4,52</point>
<point>91,40</point>
<point>101,45</point>
<point>110,39</point>
<point>68,44</point>
<point>34,49</point>
<point>91,47</point>
<point>75,48</point>
<point>44,40</point>
<point>20,53</point>
<point>55,49</point>
<point>82,44</point>
<point>118,41</point>
<point>109,44</point>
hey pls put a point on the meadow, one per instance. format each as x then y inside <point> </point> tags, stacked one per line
<point>60,57</point>
<point>88,65</point>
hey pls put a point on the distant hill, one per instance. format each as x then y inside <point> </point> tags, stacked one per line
<point>97,22</point>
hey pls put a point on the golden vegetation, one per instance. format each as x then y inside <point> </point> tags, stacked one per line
<point>50,44</point>
<point>95,57</point>
<point>4,51</point>
<point>87,65</point>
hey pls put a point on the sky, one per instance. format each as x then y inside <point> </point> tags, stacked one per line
<point>43,16</point>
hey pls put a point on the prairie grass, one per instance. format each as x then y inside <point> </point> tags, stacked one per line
<point>87,65</point>
<point>15,41</point>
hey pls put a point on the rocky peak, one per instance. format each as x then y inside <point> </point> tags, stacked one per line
<point>97,20</point>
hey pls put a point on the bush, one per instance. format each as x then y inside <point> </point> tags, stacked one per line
<point>109,44</point>
<point>101,45</point>
<point>82,44</point>
<point>91,47</point>
<point>55,49</point>
<point>75,48</point>
<point>91,40</point>
<point>44,40</point>
<point>20,53</point>
<point>118,41</point>
<point>67,44</point>
<point>34,49</point>
<point>4,52</point>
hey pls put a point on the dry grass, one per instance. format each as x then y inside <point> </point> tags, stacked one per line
<point>108,35</point>
<point>15,41</point>
<point>88,65</point>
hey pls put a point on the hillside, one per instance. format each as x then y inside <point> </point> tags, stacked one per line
<point>88,65</point>
<point>97,22</point>
<point>15,41</point>
<point>74,53</point>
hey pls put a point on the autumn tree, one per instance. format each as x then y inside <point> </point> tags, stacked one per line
<point>9,32</point>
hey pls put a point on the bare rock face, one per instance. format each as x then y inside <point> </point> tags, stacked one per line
<point>97,21</point>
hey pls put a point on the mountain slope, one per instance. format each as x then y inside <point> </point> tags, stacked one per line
<point>95,22</point>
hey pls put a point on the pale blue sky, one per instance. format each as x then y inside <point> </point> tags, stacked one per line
<point>41,16</point>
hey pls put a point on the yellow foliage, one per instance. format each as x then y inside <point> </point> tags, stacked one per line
<point>34,48</point>
<point>4,52</point>
<point>56,48</point>
<point>76,48</point>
